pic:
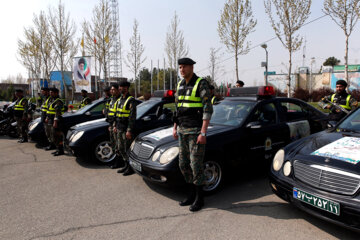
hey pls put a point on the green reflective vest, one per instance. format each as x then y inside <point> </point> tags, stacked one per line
<point>189,101</point>
<point>83,102</point>
<point>213,100</point>
<point>112,108</point>
<point>19,106</point>
<point>45,105</point>
<point>347,106</point>
<point>52,111</point>
<point>122,112</point>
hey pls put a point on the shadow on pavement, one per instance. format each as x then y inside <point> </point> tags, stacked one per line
<point>89,163</point>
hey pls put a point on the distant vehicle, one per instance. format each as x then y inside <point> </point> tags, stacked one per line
<point>89,112</point>
<point>247,127</point>
<point>7,121</point>
<point>320,174</point>
<point>92,139</point>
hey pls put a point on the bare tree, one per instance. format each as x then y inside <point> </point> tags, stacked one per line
<point>62,31</point>
<point>175,46</point>
<point>98,40</point>
<point>236,23</point>
<point>345,14</point>
<point>215,67</point>
<point>134,57</point>
<point>48,58</point>
<point>290,17</point>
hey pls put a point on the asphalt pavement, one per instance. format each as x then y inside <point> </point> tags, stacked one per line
<point>47,197</point>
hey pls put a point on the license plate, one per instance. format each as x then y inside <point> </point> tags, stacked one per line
<point>319,202</point>
<point>135,165</point>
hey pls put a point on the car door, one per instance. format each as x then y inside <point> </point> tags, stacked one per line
<point>296,118</point>
<point>265,130</point>
<point>96,112</point>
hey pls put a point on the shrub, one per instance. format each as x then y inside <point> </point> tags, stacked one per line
<point>302,94</point>
<point>356,94</point>
<point>319,93</point>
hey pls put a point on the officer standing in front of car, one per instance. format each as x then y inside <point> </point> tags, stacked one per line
<point>342,98</point>
<point>85,99</point>
<point>21,115</point>
<point>44,107</point>
<point>193,113</point>
<point>54,116</point>
<point>110,118</point>
<point>125,125</point>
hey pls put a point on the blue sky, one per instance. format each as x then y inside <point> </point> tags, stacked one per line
<point>199,23</point>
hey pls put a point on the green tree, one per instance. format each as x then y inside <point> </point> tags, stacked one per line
<point>331,61</point>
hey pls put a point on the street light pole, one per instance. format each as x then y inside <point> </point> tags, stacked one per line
<point>264,46</point>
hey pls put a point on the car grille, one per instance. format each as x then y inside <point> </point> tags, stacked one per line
<point>142,150</point>
<point>328,179</point>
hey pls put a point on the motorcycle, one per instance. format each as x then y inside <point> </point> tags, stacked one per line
<point>8,123</point>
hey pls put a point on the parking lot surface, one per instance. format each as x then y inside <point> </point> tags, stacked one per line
<point>47,197</point>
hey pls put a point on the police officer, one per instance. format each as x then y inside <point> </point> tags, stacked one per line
<point>239,84</point>
<point>110,118</point>
<point>342,98</point>
<point>85,99</point>
<point>193,113</point>
<point>54,117</point>
<point>212,95</point>
<point>125,125</point>
<point>45,93</point>
<point>107,97</point>
<point>21,115</point>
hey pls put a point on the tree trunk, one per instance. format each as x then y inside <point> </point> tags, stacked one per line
<point>236,66</point>
<point>289,74</point>
<point>346,60</point>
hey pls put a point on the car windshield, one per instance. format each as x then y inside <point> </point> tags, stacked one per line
<point>88,107</point>
<point>231,113</point>
<point>144,107</point>
<point>352,123</point>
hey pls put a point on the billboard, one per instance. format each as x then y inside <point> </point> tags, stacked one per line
<point>82,73</point>
<point>353,76</point>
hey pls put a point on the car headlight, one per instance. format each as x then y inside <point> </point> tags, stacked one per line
<point>169,155</point>
<point>156,156</point>
<point>287,168</point>
<point>76,136</point>
<point>34,125</point>
<point>132,145</point>
<point>278,160</point>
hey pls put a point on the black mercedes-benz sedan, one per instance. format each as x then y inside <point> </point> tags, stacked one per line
<point>320,174</point>
<point>249,126</point>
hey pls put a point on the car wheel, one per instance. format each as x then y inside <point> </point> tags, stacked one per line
<point>104,152</point>
<point>213,176</point>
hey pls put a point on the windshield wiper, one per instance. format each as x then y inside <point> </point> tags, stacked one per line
<point>348,130</point>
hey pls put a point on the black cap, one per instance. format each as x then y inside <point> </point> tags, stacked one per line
<point>115,85</point>
<point>124,83</point>
<point>45,89</point>
<point>83,91</point>
<point>19,90</point>
<point>341,82</point>
<point>54,90</point>
<point>186,61</point>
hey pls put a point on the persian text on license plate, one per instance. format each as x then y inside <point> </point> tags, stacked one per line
<point>322,203</point>
<point>135,165</point>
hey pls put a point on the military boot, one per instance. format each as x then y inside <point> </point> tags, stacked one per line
<point>199,200</point>
<point>128,171</point>
<point>124,169</point>
<point>23,140</point>
<point>191,196</point>
<point>50,147</point>
<point>60,151</point>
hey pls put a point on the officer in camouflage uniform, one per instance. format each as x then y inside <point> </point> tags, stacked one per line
<point>21,115</point>
<point>193,113</point>
<point>110,118</point>
<point>44,107</point>
<point>125,125</point>
<point>54,116</point>
<point>107,97</point>
<point>85,99</point>
<point>342,98</point>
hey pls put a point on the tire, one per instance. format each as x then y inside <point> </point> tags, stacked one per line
<point>103,153</point>
<point>213,171</point>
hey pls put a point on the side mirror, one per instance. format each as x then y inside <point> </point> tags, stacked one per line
<point>88,113</point>
<point>253,125</point>
<point>146,118</point>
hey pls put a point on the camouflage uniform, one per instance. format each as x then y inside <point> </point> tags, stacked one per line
<point>191,154</point>
<point>44,108</point>
<point>110,118</point>
<point>20,114</point>
<point>56,135</point>
<point>341,99</point>
<point>125,124</point>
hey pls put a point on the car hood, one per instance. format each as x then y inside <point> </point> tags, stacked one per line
<point>336,149</point>
<point>164,136</point>
<point>90,124</point>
